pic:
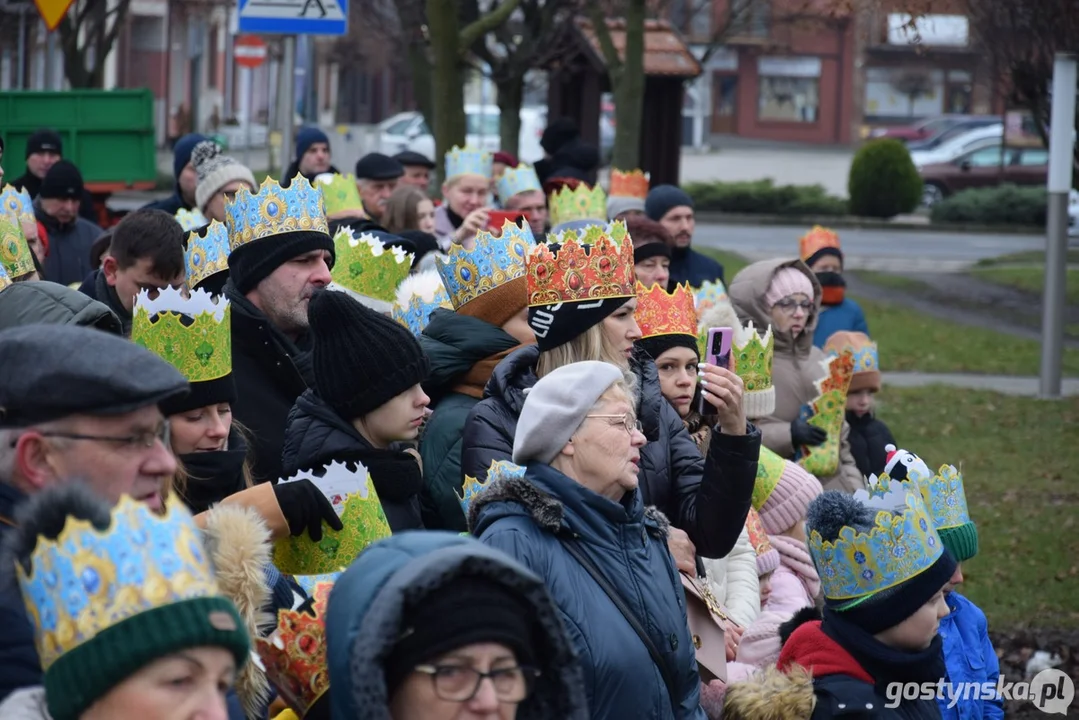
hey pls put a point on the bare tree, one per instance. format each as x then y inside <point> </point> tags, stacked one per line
<point>625,71</point>
<point>87,35</point>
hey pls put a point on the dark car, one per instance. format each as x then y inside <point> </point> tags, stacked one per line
<point>958,127</point>
<point>921,130</point>
<point>987,166</point>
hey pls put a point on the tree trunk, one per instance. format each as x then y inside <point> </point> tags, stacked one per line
<point>628,86</point>
<point>447,78</point>
<point>420,69</point>
<point>510,95</point>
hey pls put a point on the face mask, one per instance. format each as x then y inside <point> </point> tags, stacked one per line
<point>833,286</point>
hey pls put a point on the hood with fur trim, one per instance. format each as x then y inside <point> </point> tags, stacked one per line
<point>771,694</point>
<point>747,292</point>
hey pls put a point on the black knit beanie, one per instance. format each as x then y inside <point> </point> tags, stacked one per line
<point>556,325</point>
<point>659,344</point>
<point>650,250</point>
<point>362,359</point>
<point>251,263</point>
<point>208,392</point>
<point>664,198</point>
<point>63,181</point>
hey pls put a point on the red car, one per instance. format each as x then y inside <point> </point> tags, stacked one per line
<point>922,130</point>
<point>987,166</point>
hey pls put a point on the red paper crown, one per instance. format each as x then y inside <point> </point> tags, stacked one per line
<point>629,184</point>
<point>663,313</point>
<point>816,240</point>
<point>595,264</point>
<point>295,655</point>
<point>758,537</point>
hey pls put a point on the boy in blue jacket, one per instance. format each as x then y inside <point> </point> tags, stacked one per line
<point>819,249</point>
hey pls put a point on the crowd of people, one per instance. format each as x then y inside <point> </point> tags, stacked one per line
<point>342,446</point>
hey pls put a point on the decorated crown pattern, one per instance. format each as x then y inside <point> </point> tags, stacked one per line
<point>368,267</point>
<point>632,184</point>
<point>758,537</point>
<point>274,210</point>
<point>361,515</point>
<point>579,203</point>
<point>594,264</point>
<point>752,356</point>
<point>191,220</point>
<point>5,279</point>
<point>294,656</point>
<point>417,312</point>
<point>493,261</point>
<point>192,334</point>
<point>16,204</point>
<point>662,313</point>
<point>770,468</point>
<point>15,253</point>
<point>515,181</point>
<point>88,580</point>
<point>207,254</point>
<point>827,411</point>
<point>817,239</point>
<point>468,161</point>
<point>945,497</point>
<point>865,357</point>
<point>500,469</point>
<point>901,544</point>
<point>339,193</point>
<point>710,293</point>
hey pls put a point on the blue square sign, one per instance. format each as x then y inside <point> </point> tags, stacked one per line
<point>293,17</point>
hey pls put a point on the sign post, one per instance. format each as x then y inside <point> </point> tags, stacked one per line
<point>53,11</point>
<point>249,52</point>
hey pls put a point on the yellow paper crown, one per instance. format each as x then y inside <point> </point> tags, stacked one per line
<point>632,184</point>
<point>580,203</point>
<point>662,313</point>
<point>15,254</point>
<point>274,210</point>
<point>368,269</point>
<point>193,334</point>
<point>294,656</point>
<point>16,204</point>
<point>492,262</point>
<point>340,194</point>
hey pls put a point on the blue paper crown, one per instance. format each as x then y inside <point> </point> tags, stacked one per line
<point>492,262</point>
<point>191,219</point>
<point>866,358</point>
<point>5,279</point>
<point>473,487</point>
<point>416,311</point>
<point>16,204</point>
<point>274,210</point>
<point>207,254</point>
<point>515,181</point>
<point>468,161</point>
<point>902,543</point>
<point>945,498</point>
<point>87,580</point>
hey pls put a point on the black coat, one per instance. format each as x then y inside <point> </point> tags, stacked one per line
<point>19,663</point>
<point>68,260</point>
<point>171,204</point>
<point>868,437</point>
<point>100,290</point>
<point>712,512</point>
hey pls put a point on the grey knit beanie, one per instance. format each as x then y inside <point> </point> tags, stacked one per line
<point>618,205</point>
<point>215,171</point>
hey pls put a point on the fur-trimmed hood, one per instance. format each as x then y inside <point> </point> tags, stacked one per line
<point>771,694</point>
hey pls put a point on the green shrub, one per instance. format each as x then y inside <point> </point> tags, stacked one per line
<point>883,181</point>
<point>762,197</point>
<point>1004,205</point>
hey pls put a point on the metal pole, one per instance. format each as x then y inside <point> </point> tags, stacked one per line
<point>249,109</point>
<point>20,83</point>
<point>1061,142</point>
<point>227,110</point>
<point>288,103</point>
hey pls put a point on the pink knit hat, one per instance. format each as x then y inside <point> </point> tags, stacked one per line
<point>767,556</point>
<point>788,501</point>
<point>788,281</point>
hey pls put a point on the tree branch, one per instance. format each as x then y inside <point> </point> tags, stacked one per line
<point>603,35</point>
<point>486,23</point>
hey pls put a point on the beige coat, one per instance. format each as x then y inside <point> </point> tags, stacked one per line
<point>795,369</point>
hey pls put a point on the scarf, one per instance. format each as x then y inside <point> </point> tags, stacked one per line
<point>833,288</point>
<point>699,431</point>
<point>455,219</point>
<point>886,664</point>
<point>107,294</point>
<point>473,382</point>
<point>213,476</point>
<point>794,554</point>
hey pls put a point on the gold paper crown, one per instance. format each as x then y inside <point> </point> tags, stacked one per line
<point>573,273</point>
<point>294,656</point>
<point>207,254</point>
<point>662,313</point>
<point>492,262</point>
<point>274,210</point>
<point>340,194</point>
<point>15,254</point>
<point>944,496</point>
<point>88,580</point>
<point>194,334</point>
<point>632,184</point>
<point>16,204</point>
<point>369,269</point>
<point>580,203</point>
<point>828,411</point>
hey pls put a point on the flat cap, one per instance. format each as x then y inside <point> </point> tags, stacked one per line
<point>411,157</point>
<point>54,371</point>
<point>376,166</point>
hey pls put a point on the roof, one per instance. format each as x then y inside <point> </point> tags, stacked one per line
<point>665,54</point>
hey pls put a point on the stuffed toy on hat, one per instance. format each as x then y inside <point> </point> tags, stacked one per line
<point>905,465</point>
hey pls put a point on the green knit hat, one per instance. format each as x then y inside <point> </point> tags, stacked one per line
<point>946,499</point>
<point>961,541</point>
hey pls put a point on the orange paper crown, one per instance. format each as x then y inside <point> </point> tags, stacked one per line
<point>817,239</point>
<point>295,654</point>
<point>663,313</point>
<point>629,184</point>
<point>595,264</point>
<point>758,537</point>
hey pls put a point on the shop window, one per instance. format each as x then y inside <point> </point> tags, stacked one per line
<point>903,92</point>
<point>789,89</point>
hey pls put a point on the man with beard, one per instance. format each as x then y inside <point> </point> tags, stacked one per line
<point>671,207</point>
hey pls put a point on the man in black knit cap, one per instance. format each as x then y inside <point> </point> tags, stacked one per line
<point>44,149</point>
<point>70,236</point>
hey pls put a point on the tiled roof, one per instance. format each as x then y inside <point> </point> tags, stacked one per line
<point>664,51</point>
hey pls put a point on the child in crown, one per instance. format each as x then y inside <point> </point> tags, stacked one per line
<point>869,436</point>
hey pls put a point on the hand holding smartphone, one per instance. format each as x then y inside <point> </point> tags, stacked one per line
<point>717,351</point>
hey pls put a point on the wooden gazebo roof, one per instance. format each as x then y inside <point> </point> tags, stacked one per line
<point>665,53</point>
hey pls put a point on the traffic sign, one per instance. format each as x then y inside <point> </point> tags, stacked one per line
<point>52,11</point>
<point>294,17</point>
<point>249,51</point>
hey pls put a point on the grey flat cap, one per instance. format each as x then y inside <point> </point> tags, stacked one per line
<point>48,372</point>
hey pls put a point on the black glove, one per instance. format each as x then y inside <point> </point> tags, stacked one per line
<point>305,507</point>
<point>802,433</point>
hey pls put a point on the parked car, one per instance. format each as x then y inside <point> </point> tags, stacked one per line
<point>924,129</point>
<point>987,166</point>
<point>958,128</point>
<point>956,146</point>
<point>1073,214</point>
<point>409,131</point>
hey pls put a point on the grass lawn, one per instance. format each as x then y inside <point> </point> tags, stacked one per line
<point>1029,257</point>
<point>732,262</point>
<point>892,281</point>
<point>1031,279</point>
<point>1018,457</point>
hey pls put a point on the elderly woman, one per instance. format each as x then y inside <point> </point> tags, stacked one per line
<point>576,518</point>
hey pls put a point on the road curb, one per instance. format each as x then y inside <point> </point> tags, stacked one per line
<point>720,218</point>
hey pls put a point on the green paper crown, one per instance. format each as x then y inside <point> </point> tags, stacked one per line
<point>340,193</point>
<point>194,334</point>
<point>769,470</point>
<point>751,358</point>
<point>368,269</point>
<point>580,203</point>
<point>15,254</point>
<point>828,411</point>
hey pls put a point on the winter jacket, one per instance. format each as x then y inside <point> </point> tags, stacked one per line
<point>27,303</point>
<point>688,265</point>
<point>19,663</point>
<point>363,622</point>
<point>171,204</point>
<point>270,372</point>
<point>316,435</point>
<point>847,315</point>
<point>711,511</point>
<point>531,518</point>
<point>970,658</point>
<point>796,366</point>
<point>454,344</point>
<point>734,581</point>
<point>795,583</point>
<point>106,294</point>
<point>68,260</point>
<point>868,438</point>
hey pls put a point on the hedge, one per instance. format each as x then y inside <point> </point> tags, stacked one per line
<point>1003,205</point>
<point>883,181</point>
<point>764,198</point>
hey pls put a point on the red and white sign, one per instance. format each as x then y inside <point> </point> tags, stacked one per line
<point>249,51</point>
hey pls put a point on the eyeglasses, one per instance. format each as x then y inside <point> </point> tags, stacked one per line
<point>143,440</point>
<point>788,305</point>
<point>628,420</point>
<point>460,683</point>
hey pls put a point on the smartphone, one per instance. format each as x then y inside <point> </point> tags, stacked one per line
<point>717,351</point>
<point>497,218</point>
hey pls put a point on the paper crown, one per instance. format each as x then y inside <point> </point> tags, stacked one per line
<point>353,496</point>
<point>864,352</point>
<point>473,487</point>
<point>417,297</point>
<point>87,580</point>
<point>751,360</point>
<point>339,193</point>
<point>770,468</point>
<point>5,279</point>
<point>194,334</point>
<point>515,181</point>
<point>817,239</point>
<point>827,411</point>
<point>901,544</point>
<point>493,261</point>
<point>15,253</point>
<point>632,184</point>
<point>708,294</point>
<point>207,254</point>
<point>16,204</point>
<point>758,536</point>
<point>294,656</point>
<point>369,269</point>
<point>944,496</point>
<point>191,220</point>
<point>468,161</point>
<point>580,203</point>
<point>594,264</point>
<point>274,210</point>
<point>662,313</point>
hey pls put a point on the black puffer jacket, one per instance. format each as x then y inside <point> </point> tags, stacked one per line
<point>868,438</point>
<point>711,512</point>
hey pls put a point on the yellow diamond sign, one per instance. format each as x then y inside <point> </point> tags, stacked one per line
<point>52,11</point>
